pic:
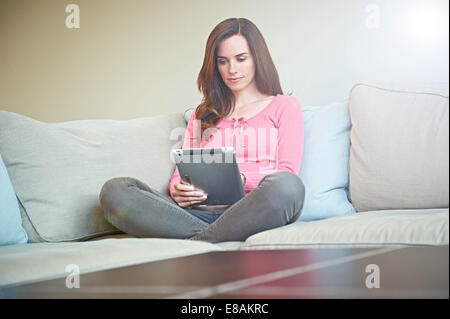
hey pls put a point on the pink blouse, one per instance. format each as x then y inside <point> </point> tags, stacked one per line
<point>270,141</point>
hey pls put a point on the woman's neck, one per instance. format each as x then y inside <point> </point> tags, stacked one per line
<point>253,103</point>
<point>247,98</point>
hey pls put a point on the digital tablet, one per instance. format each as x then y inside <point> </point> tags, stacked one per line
<point>213,170</point>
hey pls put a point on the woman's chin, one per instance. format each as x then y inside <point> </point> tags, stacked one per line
<point>236,87</point>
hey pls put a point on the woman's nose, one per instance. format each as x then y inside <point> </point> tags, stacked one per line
<point>232,69</point>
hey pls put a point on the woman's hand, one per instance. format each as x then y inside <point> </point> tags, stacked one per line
<point>186,194</point>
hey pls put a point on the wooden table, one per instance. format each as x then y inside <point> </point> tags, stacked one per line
<point>389,272</point>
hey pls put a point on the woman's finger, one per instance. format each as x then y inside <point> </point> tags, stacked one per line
<point>186,201</point>
<point>190,199</point>
<point>188,188</point>
<point>195,194</point>
<point>184,187</point>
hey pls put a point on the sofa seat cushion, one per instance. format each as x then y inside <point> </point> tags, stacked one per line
<point>230,245</point>
<point>388,227</point>
<point>225,245</point>
<point>33,262</point>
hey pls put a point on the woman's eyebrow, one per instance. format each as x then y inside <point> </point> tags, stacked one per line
<point>235,55</point>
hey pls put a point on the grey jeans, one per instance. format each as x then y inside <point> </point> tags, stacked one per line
<point>137,209</point>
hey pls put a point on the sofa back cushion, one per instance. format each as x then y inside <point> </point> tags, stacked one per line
<point>399,155</point>
<point>58,169</point>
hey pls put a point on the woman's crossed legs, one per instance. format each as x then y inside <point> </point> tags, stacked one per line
<point>137,209</point>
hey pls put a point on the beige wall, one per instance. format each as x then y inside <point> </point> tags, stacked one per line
<point>141,58</point>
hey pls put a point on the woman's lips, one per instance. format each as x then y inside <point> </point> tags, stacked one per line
<point>235,80</point>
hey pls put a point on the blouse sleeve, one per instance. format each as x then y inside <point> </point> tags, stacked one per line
<point>289,142</point>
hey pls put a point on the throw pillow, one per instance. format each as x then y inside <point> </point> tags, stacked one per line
<point>58,169</point>
<point>11,230</point>
<point>324,169</point>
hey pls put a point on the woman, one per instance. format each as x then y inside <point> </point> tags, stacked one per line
<point>243,107</point>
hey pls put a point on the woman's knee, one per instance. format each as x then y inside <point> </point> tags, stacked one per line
<point>112,190</point>
<point>286,190</point>
<point>286,184</point>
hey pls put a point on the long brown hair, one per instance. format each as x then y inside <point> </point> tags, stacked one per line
<point>218,100</point>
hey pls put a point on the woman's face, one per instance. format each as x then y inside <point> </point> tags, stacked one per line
<point>234,61</point>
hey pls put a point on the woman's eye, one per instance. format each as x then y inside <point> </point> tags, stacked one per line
<point>222,62</point>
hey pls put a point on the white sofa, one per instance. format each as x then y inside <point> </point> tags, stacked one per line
<point>398,183</point>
